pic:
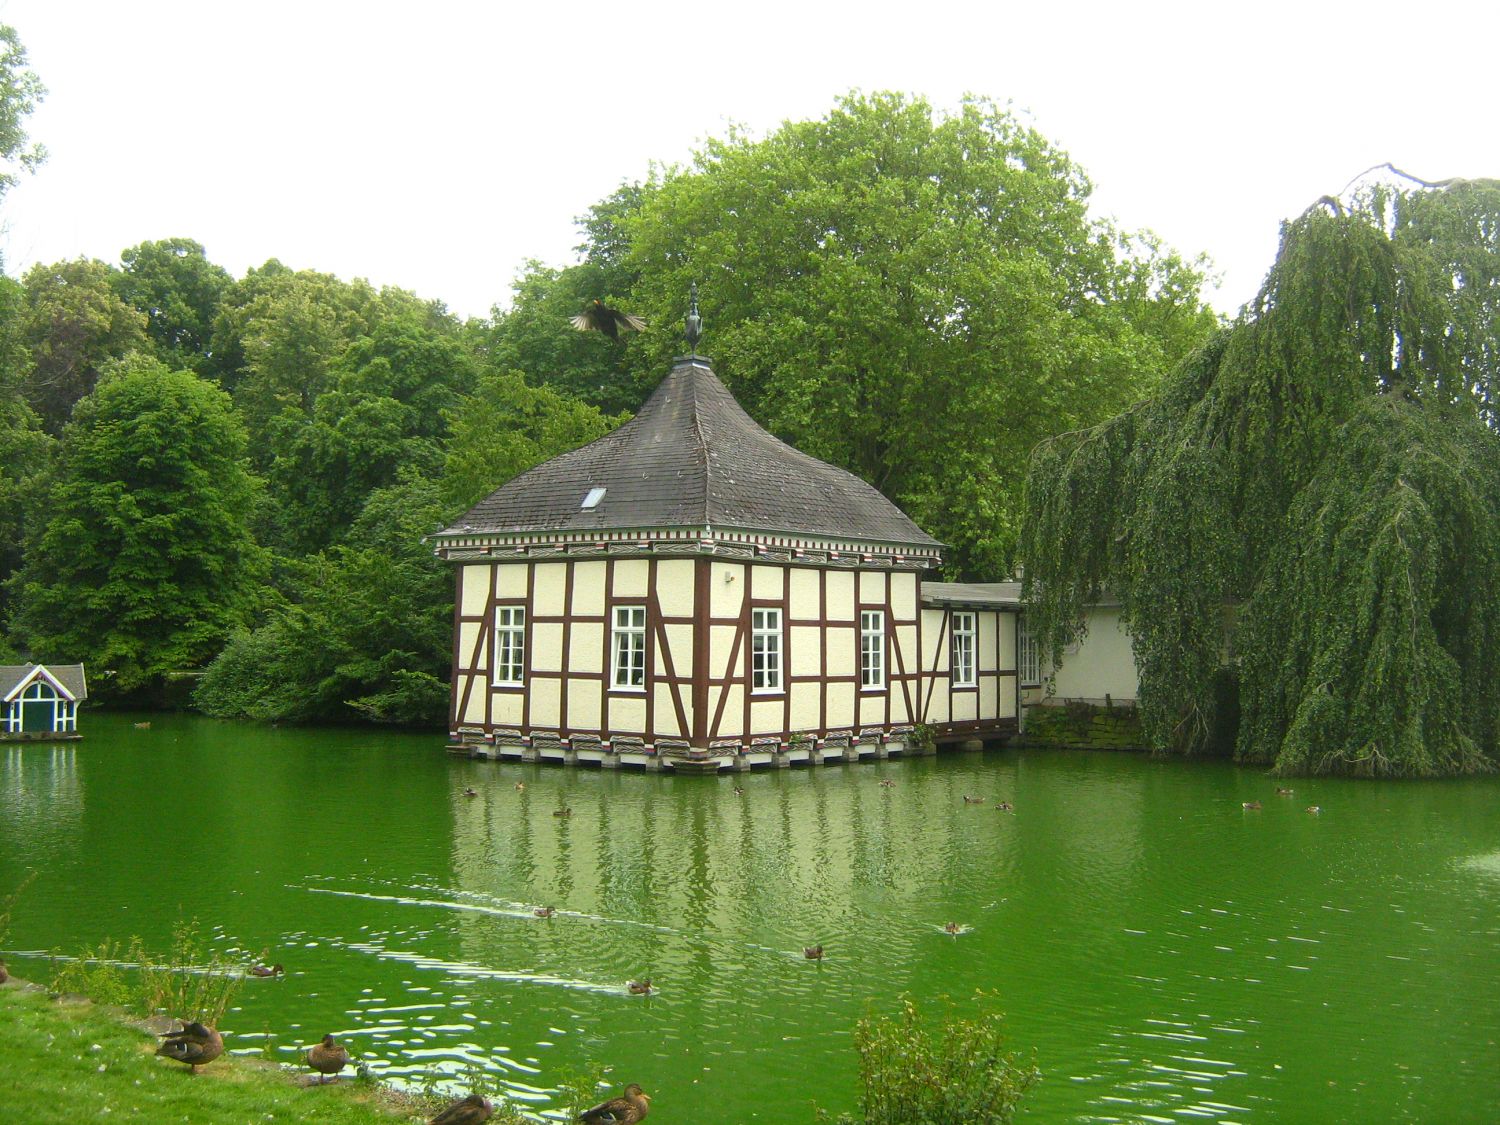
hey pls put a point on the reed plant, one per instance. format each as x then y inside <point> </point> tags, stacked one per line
<point>194,982</point>
<point>8,903</point>
<point>191,983</point>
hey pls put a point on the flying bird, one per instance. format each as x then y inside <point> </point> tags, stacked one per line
<point>599,317</point>
<point>630,1107</point>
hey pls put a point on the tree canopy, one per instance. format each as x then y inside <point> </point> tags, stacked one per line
<point>145,562</point>
<point>915,296</point>
<point>1310,505</point>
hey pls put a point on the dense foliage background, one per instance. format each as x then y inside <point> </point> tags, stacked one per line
<point>224,482</point>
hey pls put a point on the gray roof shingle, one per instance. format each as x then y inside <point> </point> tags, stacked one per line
<point>692,457</point>
<point>70,676</point>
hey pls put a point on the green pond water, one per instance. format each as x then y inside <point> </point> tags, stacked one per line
<point>1165,954</point>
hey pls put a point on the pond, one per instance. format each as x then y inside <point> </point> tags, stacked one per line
<point>1165,953</point>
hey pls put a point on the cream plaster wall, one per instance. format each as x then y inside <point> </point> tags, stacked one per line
<point>904,595</point>
<point>510,580</point>
<point>546,645</point>
<point>803,586</point>
<point>1103,663</point>
<point>586,648</point>
<point>674,590</point>
<point>474,589</point>
<point>665,717</point>
<point>548,589</point>
<point>840,595</point>
<point>588,588</point>
<point>505,708</point>
<point>765,716</point>
<point>805,706</point>
<point>631,578</point>
<point>583,706</point>
<point>726,589</point>
<point>767,582</point>
<point>804,650</point>
<point>546,710</point>
<point>627,714</point>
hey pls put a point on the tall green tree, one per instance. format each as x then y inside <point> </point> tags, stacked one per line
<point>506,427</point>
<point>146,563</point>
<point>20,91</point>
<point>1323,479</point>
<point>919,297</point>
<point>384,412</point>
<point>364,633</point>
<point>179,290</point>
<point>75,324</point>
<point>25,449</point>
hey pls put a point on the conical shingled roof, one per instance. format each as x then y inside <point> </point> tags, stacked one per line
<point>693,458</point>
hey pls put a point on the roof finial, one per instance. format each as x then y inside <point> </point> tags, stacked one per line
<point>694,321</point>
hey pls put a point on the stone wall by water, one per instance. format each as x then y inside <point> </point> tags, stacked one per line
<point>1083,726</point>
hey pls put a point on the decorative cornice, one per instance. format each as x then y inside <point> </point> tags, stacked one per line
<point>736,543</point>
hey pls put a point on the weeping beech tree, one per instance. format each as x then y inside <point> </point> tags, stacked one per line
<point>1308,509</point>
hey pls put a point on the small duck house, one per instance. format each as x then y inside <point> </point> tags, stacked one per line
<point>691,592</point>
<point>41,701</point>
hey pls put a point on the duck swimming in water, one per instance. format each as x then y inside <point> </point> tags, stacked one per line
<point>952,928</point>
<point>813,952</point>
<point>545,911</point>
<point>640,987</point>
<point>1251,805</point>
<point>266,970</point>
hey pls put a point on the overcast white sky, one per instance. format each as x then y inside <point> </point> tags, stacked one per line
<point>438,145</point>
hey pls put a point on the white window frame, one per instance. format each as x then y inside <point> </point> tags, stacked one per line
<point>510,646</point>
<point>872,650</point>
<point>1028,654</point>
<point>962,649</point>
<point>765,650</point>
<point>628,648</point>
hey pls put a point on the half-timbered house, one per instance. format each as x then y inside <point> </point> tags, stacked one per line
<point>691,591</point>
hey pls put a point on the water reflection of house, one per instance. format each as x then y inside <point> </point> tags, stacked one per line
<point>41,701</point>
<point>690,591</point>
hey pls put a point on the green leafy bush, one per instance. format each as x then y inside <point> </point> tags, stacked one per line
<point>954,1073</point>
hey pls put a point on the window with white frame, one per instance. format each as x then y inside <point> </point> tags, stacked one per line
<point>510,645</point>
<point>962,667</point>
<point>765,650</point>
<point>871,649</point>
<point>630,647</point>
<point>1028,654</point>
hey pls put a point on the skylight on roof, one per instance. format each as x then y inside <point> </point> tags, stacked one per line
<point>592,499</point>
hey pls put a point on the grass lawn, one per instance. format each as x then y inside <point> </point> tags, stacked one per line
<point>68,1061</point>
